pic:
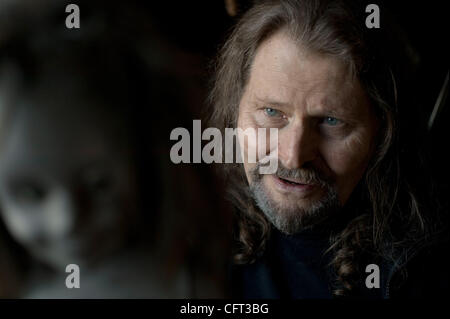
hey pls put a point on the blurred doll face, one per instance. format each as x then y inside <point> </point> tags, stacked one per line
<point>66,186</point>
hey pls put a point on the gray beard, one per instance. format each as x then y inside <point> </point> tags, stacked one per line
<point>294,220</point>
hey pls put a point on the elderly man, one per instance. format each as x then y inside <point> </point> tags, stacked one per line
<point>346,213</point>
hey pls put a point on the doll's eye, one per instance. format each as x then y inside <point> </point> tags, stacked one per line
<point>28,193</point>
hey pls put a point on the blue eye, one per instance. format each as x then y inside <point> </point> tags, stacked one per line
<point>331,121</point>
<point>271,112</point>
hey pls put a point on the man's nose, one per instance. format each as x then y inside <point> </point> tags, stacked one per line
<point>297,145</point>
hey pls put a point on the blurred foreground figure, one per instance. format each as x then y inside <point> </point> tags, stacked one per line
<point>79,183</point>
<point>351,210</point>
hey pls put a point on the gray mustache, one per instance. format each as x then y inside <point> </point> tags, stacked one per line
<point>307,175</point>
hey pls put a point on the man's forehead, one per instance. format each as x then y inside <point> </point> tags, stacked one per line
<point>283,73</point>
<point>280,53</point>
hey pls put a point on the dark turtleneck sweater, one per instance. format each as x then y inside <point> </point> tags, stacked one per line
<point>293,266</point>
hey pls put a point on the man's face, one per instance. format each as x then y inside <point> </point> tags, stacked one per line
<point>326,132</point>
